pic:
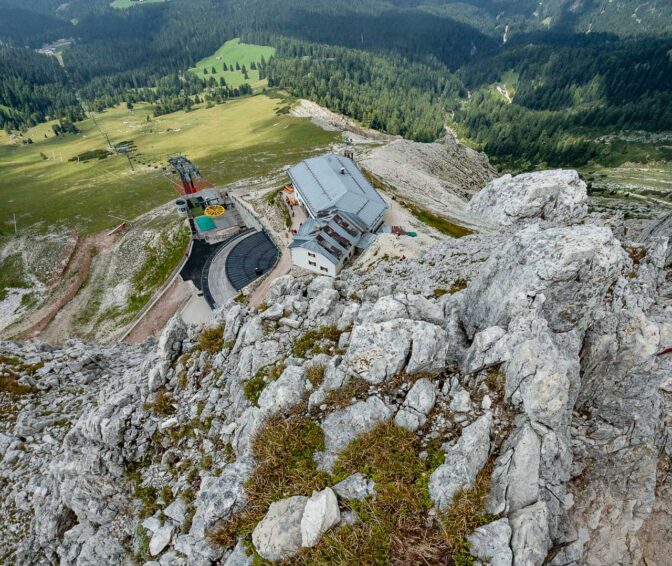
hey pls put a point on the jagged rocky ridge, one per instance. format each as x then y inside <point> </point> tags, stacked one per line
<point>530,349</point>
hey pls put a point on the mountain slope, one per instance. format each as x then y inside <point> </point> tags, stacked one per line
<point>506,383</point>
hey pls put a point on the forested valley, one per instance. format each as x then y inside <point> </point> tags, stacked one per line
<point>405,68</point>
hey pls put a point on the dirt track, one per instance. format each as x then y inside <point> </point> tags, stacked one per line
<point>37,325</point>
<point>155,319</point>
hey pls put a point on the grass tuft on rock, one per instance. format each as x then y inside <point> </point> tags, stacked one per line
<point>162,404</point>
<point>315,374</point>
<point>457,286</point>
<point>317,341</point>
<point>211,339</point>
<point>439,223</point>
<point>253,386</point>
<point>9,385</point>
<point>340,398</point>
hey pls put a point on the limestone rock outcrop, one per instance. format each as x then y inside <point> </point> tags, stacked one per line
<point>526,355</point>
<point>558,196</point>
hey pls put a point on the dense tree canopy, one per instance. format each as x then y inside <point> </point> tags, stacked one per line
<point>405,67</point>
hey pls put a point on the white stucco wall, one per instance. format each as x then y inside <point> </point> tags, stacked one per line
<point>301,258</point>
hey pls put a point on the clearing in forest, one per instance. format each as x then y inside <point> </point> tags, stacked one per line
<point>231,53</point>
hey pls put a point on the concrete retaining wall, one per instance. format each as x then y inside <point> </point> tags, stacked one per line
<point>247,214</point>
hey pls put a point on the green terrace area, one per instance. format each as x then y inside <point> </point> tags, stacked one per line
<point>73,178</point>
<point>228,62</point>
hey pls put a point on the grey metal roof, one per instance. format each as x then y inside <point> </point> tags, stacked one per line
<point>366,240</point>
<point>334,181</point>
<point>313,235</point>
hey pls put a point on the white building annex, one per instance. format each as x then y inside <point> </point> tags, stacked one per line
<point>344,213</point>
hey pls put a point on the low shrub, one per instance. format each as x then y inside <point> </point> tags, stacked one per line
<point>211,339</point>
<point>315,374</point>
<point>162,404</point>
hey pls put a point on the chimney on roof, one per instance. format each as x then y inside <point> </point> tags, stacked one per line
<point>342,170</point>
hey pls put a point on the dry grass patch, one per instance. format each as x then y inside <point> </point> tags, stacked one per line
<point>343,396</point>
<point>10,385</point>
<point>211,339</point>
<point>315,374</point>
<point>636,253</point>
<point>317,341</point>
<point>284,451</point>
<point>495,379</point>
<point>457,286</point>
<point>395,527</point>
<point>162,404</point>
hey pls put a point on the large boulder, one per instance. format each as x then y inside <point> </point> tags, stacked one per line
<point>558,195</point>
<point>160,539</point>
<point>516,475</point>
<point>219,497</point>
<point>569,269</point>
<point>320,514</point>
<point>531,539</point>
<point>491,544</point>
<point>380,351</point>
<point>170,341</point>
<point>285,392</point>
<point>278,534</point>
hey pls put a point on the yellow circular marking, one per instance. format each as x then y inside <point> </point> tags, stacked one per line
<point>215,210</point>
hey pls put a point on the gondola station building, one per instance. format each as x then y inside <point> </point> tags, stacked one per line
<point>343,213</point>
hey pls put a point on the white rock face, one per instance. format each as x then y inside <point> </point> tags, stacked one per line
<point>320,514</point>
<point>321,305</point>
<point>570,317</point>
<point>516,476</point>
<point>278,534</point>
<point>571,267</point>
<point>218,497</point>
<point>491,544</point>
<point>463,462</point>
<point>530,540</point>
<point>160,539</point>
<point>548,195</point>
<point>341,427</point>
<point>417,405</point>
<point>285,392</point>
<point>408,306</point>
<point>379,351</point>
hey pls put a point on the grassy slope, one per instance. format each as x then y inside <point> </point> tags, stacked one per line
<point>231,52</point>
<point>239,139</point>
